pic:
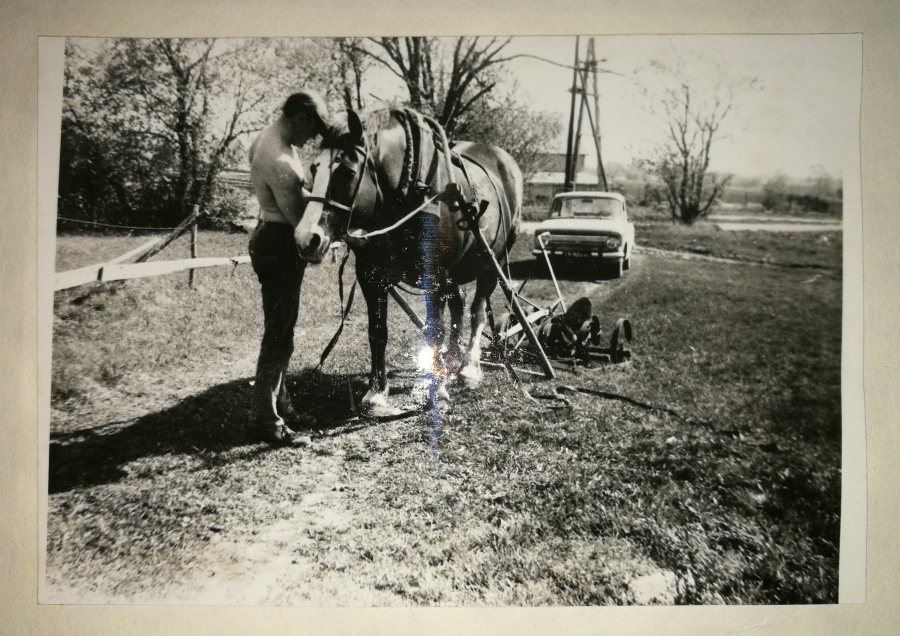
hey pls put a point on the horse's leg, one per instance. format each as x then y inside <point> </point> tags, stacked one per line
<point>455,302</point>
<point>434,338</point>
<point>375,401</point>
<point>471,373</point>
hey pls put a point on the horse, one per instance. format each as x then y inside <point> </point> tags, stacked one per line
<point>383,202</point>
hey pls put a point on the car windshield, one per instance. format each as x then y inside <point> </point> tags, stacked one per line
<point>588,207</point>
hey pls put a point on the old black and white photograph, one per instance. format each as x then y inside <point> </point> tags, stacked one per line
<point>453,321</point>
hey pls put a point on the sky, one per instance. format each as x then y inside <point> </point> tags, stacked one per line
<point>803,115</point>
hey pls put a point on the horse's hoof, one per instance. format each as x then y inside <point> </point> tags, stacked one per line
<point>471,376</point>
<point>441,393</point>
<point>377,405</point>
<point>439,400</point>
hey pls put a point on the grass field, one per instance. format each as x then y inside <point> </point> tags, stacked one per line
<point>155,492</point>
<point>805,250</point>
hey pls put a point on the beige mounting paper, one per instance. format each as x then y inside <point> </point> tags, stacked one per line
<point>18,479</point>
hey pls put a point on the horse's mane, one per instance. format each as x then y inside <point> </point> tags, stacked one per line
<point>337,136</point>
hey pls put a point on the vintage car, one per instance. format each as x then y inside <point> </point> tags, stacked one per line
<point>587,224</point>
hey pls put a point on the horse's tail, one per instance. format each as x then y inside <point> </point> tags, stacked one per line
<point>514,185</point>
<point>519,192</point>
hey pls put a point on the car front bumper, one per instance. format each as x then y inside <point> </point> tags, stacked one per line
<point>608,256</point>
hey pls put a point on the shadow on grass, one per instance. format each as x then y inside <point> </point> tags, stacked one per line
<point>582,270</point>
<point>210,422</point>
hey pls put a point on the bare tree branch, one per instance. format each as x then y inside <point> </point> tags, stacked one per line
<point>692,117</point>
<point>445,78</point>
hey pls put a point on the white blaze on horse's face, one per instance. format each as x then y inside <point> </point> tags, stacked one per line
<point>313,234</point>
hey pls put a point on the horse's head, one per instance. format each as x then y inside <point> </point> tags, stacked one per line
<point>344,189</point>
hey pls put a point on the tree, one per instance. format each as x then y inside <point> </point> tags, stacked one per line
<point>821,183</point>
<point>351,63</point>
<point>148,124</point>
<point>507,122</point>
<point>775,191</point>
<point>445,77</point>
<point>692,115</point>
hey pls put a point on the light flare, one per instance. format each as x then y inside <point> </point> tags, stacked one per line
<point>426,359</point>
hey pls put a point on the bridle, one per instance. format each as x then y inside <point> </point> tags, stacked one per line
<point>358,237</point>
<point>368,164</point>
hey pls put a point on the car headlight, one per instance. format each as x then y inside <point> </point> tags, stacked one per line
<point>613,243</point>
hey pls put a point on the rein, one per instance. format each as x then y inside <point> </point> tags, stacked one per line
<point>362,234</point>
<point>344,312</point>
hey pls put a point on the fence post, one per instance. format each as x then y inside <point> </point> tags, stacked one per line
<point>178,231</point>
<point>193,253</point>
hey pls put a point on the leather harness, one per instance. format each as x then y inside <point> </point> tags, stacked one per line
<point>418,184</point>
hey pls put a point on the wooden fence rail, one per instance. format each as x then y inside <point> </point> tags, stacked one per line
<point>193,217</point>
<point>115,271</point>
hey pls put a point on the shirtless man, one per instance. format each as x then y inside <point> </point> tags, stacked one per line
<point>278,177</point>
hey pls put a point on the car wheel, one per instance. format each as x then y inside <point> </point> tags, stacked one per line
<point>626,264</point>
<point>615,270</point>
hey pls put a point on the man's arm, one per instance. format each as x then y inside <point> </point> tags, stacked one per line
<point>287,188</point>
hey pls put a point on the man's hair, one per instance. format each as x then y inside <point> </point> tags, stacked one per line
<point>309,103</point>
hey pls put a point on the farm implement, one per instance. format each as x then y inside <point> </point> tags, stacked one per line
<point>555,338</point>
<point>569,339</point>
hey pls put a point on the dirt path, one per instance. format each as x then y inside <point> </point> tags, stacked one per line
<point>292,561</point>
<point>274,565</point>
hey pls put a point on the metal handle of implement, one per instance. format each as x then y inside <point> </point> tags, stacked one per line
<point>541,238</point>
<point>469,212</point>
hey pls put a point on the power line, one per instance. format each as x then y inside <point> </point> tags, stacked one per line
<point>567,66</point>
<point>122,227</point>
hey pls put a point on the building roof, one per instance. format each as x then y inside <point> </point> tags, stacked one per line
<point>559,178</point>
<point>592,193</point>
<point>556,162</point>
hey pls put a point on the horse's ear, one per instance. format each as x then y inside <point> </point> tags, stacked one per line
<point>355,125</point>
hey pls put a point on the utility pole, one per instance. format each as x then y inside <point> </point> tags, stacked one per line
<point>568,186</point>
<point>573,143</point>
<point>577,146</point>
<point>601,173</point>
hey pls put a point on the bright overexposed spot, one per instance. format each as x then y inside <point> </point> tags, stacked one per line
<point>426,358</point>
<point>295,164</point>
